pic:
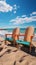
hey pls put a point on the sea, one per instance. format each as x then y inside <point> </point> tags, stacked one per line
<point>22,30</point>
<point>10,30</point>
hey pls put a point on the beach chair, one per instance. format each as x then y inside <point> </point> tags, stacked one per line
<point>27,37</point>
<point>14,36</point>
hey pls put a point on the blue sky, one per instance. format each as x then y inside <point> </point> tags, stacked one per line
<point>17,13</point>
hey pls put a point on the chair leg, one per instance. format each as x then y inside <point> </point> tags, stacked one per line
<point>17,46</point>
<point>14,43</point>
<point>5,41</point>
<point>30,48</point>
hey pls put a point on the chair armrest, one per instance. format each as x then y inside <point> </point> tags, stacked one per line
<point>7,35</point>
<point>12,34</point>
<point>21,34</point>
<point>32,36</point>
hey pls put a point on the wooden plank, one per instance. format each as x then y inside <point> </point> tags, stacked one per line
<point>15,35</point>
<point>3,51</point>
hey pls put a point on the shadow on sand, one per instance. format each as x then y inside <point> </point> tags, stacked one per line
<point>26,49</point>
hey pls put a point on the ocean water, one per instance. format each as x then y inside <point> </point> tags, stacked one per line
<point>22,30</point>
<point>10,30</point>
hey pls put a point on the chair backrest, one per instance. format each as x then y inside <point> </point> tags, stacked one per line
<point>16,33</point>
<point>28,33</point>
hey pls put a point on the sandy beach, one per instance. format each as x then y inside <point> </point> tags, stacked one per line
<point>17,32</point>
<point>15,56</point>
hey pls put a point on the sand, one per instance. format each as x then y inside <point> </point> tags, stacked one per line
<point>16,56</point>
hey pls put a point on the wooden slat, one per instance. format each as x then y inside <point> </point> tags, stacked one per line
<point>15,35</point>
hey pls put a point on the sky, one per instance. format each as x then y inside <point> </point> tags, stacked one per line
<point>17,13</point>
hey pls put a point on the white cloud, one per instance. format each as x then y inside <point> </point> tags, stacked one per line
<point>23,15</point>
<point>14,12</point>
<point>4,7</point>
<point>17,20</point>
<point>33,13</point>
<point>23,19</point>
<point>15,7</point>
<point>2,0</point>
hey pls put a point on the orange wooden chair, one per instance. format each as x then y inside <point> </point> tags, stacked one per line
<point>27,38</point>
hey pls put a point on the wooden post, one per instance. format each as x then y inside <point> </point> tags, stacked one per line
<point>5,38</point>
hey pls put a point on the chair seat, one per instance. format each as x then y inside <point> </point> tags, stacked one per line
<point>9,39</point>
<point>23,42</point>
